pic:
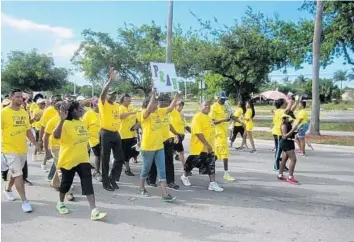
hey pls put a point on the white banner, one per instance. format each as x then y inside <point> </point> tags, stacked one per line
<point>164,77</point>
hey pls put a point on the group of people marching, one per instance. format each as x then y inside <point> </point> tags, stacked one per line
<point>70,131</point>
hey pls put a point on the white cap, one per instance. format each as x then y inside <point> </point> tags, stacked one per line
<point>80,98</point>
<point>40,100</point>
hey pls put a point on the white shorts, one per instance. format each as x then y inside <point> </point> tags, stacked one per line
<point>14,163</point>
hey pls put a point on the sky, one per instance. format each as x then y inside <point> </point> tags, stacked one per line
<point>55,27</point>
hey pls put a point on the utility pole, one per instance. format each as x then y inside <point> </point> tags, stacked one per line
<point>169,32</point>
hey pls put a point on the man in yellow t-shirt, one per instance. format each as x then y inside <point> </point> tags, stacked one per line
<point>221,117</point>
<point>152,144</point>
<point>15,129</point>
<point>202,148</point>
<point>302,119</point>
<point>109,135</point>
<point>48,113</point>
<point>127,132</point>
<point>92,123</point>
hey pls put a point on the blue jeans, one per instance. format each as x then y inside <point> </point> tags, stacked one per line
<point>148,158</point>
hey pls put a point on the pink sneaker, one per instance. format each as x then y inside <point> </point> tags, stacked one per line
<point>292,181</point>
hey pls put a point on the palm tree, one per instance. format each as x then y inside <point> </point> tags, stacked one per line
<point>301,80</point>
<point>316,46</point>
<point>340,76</point>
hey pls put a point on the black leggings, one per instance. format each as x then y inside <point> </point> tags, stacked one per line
<point>235,131</point>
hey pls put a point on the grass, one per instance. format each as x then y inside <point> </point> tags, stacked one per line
<point>323,125</point>
<point>343,106</point>
<point>330,140</point>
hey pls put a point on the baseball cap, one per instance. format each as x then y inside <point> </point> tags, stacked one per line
<point>40,100</point>
<point>222,95</point>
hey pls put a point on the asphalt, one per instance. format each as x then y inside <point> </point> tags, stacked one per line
<point>256,207</point>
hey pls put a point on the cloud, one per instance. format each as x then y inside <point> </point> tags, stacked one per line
<point>27,25</point>
<point>64,49</point>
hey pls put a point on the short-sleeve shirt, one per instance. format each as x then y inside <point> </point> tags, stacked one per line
<point>152,126</point>
<point>303,115</point>
<point>92,124</point>
<point>238,114</point>
<point>14,126</point>
<point>49,129</point>
<point>73,145</point>
<point>48,113</point>
<point>109,116</point>
<point>201,124</point>
<point>217,113</point>
<point>127,123</point>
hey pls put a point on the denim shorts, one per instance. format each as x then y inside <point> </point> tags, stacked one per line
<point>150,156</point>
<point>303,129</point>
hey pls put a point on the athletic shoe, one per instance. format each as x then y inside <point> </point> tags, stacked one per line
<point>253,151</point>
<point>281,178</point>
<point>129,173</point>
<point>98,177</point>
<point>213,186</point>
<point>62,209</point>
<point>44,168</point>
<point>168,199</point>
<point>177,157</point>
<point>9,195</point>
<point>228,177</point>
<point>96,215</point>
<point>173,185</point>
<point>185,181</point>
<point>26,207</point>
<point>143,192</point>
<point>70,197</point>
<point>151,184</point>
<point>28,182</point>
<point>292,180</point>
<point>114,185</point>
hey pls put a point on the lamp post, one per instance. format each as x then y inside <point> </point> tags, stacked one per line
<point>169,32</point>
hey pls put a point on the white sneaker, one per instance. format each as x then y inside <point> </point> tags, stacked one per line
<point>185,181</point>
<point>213,186</point>
<point>26,207</point>
<point>10,195</point>
<point>44,168</point>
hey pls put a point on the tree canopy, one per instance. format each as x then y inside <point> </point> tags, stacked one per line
<point>32,71</point>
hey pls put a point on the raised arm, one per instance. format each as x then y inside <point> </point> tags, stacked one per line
<point>150,106</point>
<point>58,130</point>
<point>112,76</point>
<point>173,103</point>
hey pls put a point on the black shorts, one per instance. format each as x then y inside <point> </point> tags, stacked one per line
<point>96,150</point>
<point>286,145</point>
<point>84,172</point>
<point>129,150</point>
<point>238,129</point>
<point>179,146</point>
<point>205,162</point>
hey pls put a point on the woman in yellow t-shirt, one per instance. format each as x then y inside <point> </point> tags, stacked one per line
<point>248,122</point>
<point>73,157</point>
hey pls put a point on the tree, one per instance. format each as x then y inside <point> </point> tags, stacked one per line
<point>315,114</point>
<point>338,33</point>
<point>341,76</point>
<point>244,54</point>
<point>32,71</point>
<point>301,80</point>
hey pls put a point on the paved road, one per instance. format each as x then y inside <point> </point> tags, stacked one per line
<point>254,208</point>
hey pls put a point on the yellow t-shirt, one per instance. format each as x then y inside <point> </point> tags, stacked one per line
<point>217,113</point>
<point>238,114</point>
<point>49,129</point>
<point>201,124</point>
<point>92,124</point>
<point>73,145</point>
<point>14,126</point>
<point>109,116</point>
<point>48,113</point>
<point>249,121</point>
<point>302,114</point>
<point>278,113</point>
<point>37,113</point>
<point>153,138</point>
<point>177,121</point>
<point>165,129</point>
<point>32,107</point>
<point>127,123</point>
<point>138,115</point>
